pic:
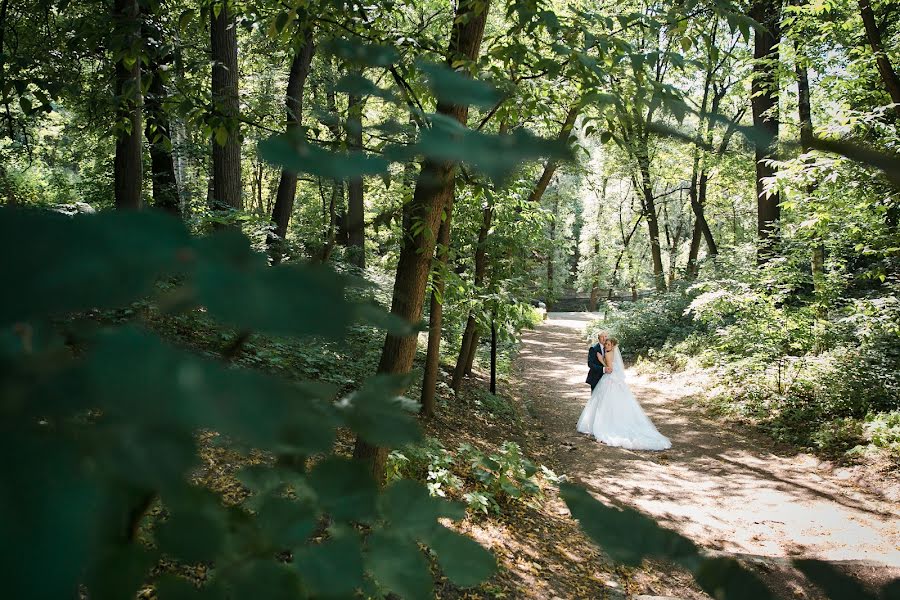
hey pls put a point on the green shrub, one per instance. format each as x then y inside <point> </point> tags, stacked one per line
<point>485,481</point>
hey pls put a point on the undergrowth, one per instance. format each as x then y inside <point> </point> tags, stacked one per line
<point>827,381</point>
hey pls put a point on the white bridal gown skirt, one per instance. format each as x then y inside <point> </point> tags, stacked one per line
<point>614,417</point>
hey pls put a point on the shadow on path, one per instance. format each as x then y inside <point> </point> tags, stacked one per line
<point>717,485</point>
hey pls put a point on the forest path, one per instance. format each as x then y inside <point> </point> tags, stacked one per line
<point>723,488</point>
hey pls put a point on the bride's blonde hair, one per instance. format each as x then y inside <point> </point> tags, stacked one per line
<point>613,341</point>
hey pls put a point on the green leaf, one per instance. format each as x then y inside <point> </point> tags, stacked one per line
<point>494,155</point>
<point>177,387</point>
<point>410,510</point>
<point>287,523</point>
<point>352,51</point>
<point>266,579</point>
<point>192,536</point>
<point>71,264</point>
<point>120,572</point>
<point>378,415</point>
<point>357,85</point>
<point>345,489</point>
<point>185,19</point>
<point>398,565</point>
<point>626,535</point>
<point>52,518</point>
<point>333,568</point>
<point>454,87</point>
<point>281,21</point>
<point>170,587</point>
<point>463,560</point>
<point>302,157</point>
<point>221,134</point>
<point>283,300</point>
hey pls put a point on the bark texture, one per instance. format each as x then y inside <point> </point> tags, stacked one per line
<point>226,158</point>
<point>287,184</point>
<point>128,166</point>
<point>433,191</point>
<point>764,104</point>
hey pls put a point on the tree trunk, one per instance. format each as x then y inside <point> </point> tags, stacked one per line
<point>159,136</point>
<point>356,233</point>
<point>434,188</point>
<point>595,271</point>
<point>885,68</point>
<point>287,184</point>
<point>493,354</point>
<point>226,157</point>
<point>473,350</point>
<point>693,267</point>
<point>435,315</point>
<point>804,110</point>
<point>648,204</point>
<point>550,167</point>
<point>764,104</point>
<point>551,255</point>
<point>128,164</point>
<point>487,215</point>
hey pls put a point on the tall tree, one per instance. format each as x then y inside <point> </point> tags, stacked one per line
<point>436,313</point>
<point>158,130</point>
<point>434,188</point>
<point>888,76</point>
<point>804,110</point>
<point>551,165</point>
<point>287,184</point>
<point>470,333</point>
<point>764,105</point>
<point>356,233</point>
<point>226,149</point>
<point>128,166</point>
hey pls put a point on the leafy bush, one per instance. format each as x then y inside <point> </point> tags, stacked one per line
<point>651,325</point>
<point>776,360</point>
<point>486,482</point>
<point>104,416</point>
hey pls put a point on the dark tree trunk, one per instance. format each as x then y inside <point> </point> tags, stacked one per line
<point>287,184</point>
<point>764,104</point>
<point>435,315</point>
<point>226,158</point>
<point>804,110</point>
<point>356,233</point>
<point>699,180</point>
<point>473,350</point>
<point>648,204</point>
<point>595,271</point>
<point>550,167</point>
<point>128,166</point>
<point>493,355</point>
<point>487,215</point>
<point>885,68</point>
<point>159,136</point>
<point>434,189</point>
<point>693,267</point>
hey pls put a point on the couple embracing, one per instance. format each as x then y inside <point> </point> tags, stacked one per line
<point>612,415</point>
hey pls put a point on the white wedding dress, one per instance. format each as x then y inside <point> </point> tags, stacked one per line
<point>614,417</point>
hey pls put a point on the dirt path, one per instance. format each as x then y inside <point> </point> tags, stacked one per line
<point>721,487</point>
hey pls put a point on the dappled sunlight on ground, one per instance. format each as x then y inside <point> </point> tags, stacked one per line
<point>719,485</point>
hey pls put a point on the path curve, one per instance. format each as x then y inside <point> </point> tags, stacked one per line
<point>719,486</point>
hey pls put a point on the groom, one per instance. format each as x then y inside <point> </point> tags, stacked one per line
<point>596,369</point>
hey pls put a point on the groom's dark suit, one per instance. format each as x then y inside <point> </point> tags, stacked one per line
<point>595,367</point>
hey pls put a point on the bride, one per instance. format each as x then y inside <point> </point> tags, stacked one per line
<point>613,416</point>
